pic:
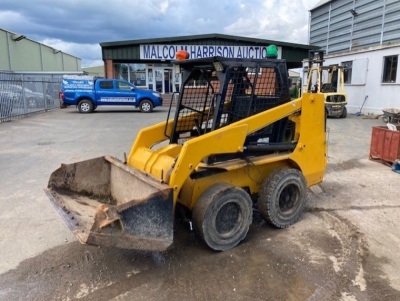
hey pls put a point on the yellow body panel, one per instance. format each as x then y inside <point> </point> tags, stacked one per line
<point>245,174</point>
<point>173,164</point>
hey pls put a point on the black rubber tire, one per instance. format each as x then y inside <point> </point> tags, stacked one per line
<point>344,113</point>
<point>85,106</point>
<point>326,113</point>
<point>282,197</point>
<point>222,216</point>
<point>146,106</point>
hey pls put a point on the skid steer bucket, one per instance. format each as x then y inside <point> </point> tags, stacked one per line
<point>107,203</point>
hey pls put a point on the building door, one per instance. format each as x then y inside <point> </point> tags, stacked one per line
<point>168,81</point>
<point>163,80</point>
<point>159,80</point>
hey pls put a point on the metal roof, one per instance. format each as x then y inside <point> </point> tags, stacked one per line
<point>203,36</point>
<point>129,51</point>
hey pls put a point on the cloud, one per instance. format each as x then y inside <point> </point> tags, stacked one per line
<point>77,27</point>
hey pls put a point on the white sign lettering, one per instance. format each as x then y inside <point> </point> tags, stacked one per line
<point>117,99</point>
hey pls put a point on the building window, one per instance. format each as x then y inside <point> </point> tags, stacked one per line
<point>123,86</point>
<point>389,69</point>
<point>251,70</point>
<point>347,70</point>
<point>133,73</point>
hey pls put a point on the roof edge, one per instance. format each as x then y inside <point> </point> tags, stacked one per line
<point>320,3</point>
<point>203,36</point>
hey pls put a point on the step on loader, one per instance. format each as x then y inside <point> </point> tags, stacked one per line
<point>233,141</point>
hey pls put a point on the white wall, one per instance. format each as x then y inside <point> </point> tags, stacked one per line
<point>367,80</point>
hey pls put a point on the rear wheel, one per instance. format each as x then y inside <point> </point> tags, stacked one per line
<point>146,106</point>
<point>222,216</point>
<point>344,113</point>
<point>85,106</point>
<point>282,197</point>
<point>326,113</point>
<point>6,108</point>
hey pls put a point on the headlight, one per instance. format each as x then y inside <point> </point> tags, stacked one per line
<point>156,94</point>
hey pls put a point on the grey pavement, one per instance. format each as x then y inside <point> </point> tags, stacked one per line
<point>33,147</point>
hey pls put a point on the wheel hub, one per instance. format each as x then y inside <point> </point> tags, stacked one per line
<point>227,219</point>
<point>288,198</point>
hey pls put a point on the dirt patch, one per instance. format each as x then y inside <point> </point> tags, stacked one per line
<point>323,257</point>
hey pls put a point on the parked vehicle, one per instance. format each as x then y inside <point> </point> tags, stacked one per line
<point>87,92</point>
<point>7,100</point>
<point>33,99</point>
<point>328,80</point>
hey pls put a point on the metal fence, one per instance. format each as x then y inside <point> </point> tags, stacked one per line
<point>22,94</point>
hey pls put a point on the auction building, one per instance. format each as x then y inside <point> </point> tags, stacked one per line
<point>147,62</point>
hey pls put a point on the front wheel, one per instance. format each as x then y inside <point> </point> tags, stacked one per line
<point>85,106</point>
<point>146,106</point>
<point>282,197</point>
<point>222,216</point>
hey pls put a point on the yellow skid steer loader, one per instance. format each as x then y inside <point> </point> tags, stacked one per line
<point>234,140</point>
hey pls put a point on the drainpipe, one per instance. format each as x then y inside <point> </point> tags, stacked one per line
<point>383,20</point>
<point>9,51</point>
<point>352,25</point>
<point>329,29</point>
<point>41,56</point>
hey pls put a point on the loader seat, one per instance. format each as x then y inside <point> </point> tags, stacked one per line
<point>243,106</point>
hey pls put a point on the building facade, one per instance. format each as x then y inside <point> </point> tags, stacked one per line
<point>364,37</point>
<point>147,63</point>
<point>21,54</point>
<point>30,75</point>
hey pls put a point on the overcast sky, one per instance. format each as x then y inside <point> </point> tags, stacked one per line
<point>78,26</point>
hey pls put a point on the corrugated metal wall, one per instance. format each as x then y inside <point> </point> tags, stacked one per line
<point>27,55</point>
<point>342,25</point>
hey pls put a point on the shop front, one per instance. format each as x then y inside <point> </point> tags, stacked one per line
<point>158,77</point>
<point>148,63</point>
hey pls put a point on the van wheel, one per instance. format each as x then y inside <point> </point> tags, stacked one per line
<point>85,106</point>
<point>146,106</point>
<point>222,216</point>
<point>282,197</point>
<point>344,113</point>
